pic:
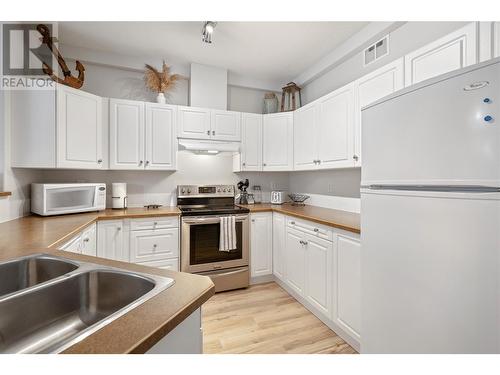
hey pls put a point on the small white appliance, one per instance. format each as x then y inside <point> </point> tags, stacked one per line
<point>119,195</point>
<point>58,199</point>
<point>430,216</point>
<point>278,197</point>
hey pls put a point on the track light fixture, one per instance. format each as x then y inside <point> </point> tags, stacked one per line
<point>207,31</point>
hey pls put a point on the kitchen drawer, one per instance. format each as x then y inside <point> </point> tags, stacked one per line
<point>166,264</point>
<point>146,245</point>
<point>310,227</point>
<point>155,223</point>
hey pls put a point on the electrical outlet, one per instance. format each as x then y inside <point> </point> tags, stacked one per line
<point>274,186</point>
<point>330,188</point>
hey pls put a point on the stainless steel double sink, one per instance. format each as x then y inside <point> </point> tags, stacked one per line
<point>48,303</point>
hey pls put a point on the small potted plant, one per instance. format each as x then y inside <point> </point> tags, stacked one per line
<point>160,82</point>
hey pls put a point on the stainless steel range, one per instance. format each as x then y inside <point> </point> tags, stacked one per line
<point>201,209</point>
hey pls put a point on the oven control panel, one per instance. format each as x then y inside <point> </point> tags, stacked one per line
<point>204,191</point>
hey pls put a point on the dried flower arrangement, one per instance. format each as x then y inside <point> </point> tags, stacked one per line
<point>160,82</point>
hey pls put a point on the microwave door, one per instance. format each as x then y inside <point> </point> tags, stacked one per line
<point>70,199</point>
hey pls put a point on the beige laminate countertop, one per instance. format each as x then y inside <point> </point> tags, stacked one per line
<point>345,220</point>
<point>142,327</point>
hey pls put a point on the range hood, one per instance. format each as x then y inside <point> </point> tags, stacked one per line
<point>208,147</point>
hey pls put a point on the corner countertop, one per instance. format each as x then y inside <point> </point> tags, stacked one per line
<point>142,327</point>
<point>345,220</point>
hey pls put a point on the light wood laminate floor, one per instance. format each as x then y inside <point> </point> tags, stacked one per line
<point>265,319</point>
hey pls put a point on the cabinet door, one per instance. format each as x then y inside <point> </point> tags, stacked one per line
<point>347,284</point>
<point>225,125</point>
<point>295,265</point>
<point>161,137</point>
<point>278,142</point>
<point>453,51</point>
<point>372,87</point>
<point>74,245</point>
<point>147,245</point>
<point>89,241</point>
<point>305,150</point>
<point>279,235</point>
<point>261,244</point>
<point>318,273</point>
<point>126,134</point>
<point>79,129</point>
<point>110,241</point>
<point>251,142</point>
<point>336,129</point>
<point>194,123</point>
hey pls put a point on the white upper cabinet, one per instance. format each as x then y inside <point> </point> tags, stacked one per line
<point>261,244</point>
<point>203,123</point>
<point>251,142</point>
<point>142,135</point>
<point>126,134</point>
<point>194,122</point>
<point>305,137</point>
<point>336,129</point>
<point>161,137</point>
<point>372,87</point>
<point>453,51</point>
<point>225,125</point>
<point>278,142</point>
<point>79,129</point>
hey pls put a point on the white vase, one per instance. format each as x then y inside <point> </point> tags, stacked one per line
<point>161,98</point>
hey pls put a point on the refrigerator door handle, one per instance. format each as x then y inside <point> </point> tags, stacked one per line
<point>439,188</point>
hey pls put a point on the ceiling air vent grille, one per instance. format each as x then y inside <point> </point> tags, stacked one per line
<point>377,50</point>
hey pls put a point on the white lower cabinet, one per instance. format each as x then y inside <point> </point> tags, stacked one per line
<point>347,284</point>
<point>320,267</point>
<point>151,242</point>
<point>318,273</point>
<point>295,261</point>
<point>89,241</point>
<point>83,243</point>
<point>110,240</point>
<point>186,338</point>
<point>165,264</point>
<point>279,238</point>
<point>261,244</point>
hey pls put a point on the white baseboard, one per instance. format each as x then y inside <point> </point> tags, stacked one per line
<point>261,279</point>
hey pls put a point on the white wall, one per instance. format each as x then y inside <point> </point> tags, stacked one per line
<point>147,187</point>
<point>111,82</point>
<point>407,38</point>
<point>208,86</point>
<point>120,83</point>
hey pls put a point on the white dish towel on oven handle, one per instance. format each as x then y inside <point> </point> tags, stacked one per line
<point>227,240</point>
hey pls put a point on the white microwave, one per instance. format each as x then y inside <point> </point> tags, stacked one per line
<point>58,199</point>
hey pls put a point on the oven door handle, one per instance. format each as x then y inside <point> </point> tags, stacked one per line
<point>209,220</point>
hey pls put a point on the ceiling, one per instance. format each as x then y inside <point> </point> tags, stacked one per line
<point>262,50</point>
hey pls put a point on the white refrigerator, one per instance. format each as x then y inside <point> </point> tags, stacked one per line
<point>430,216</point>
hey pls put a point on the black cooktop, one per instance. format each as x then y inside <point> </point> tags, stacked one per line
<point>213,210</point>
